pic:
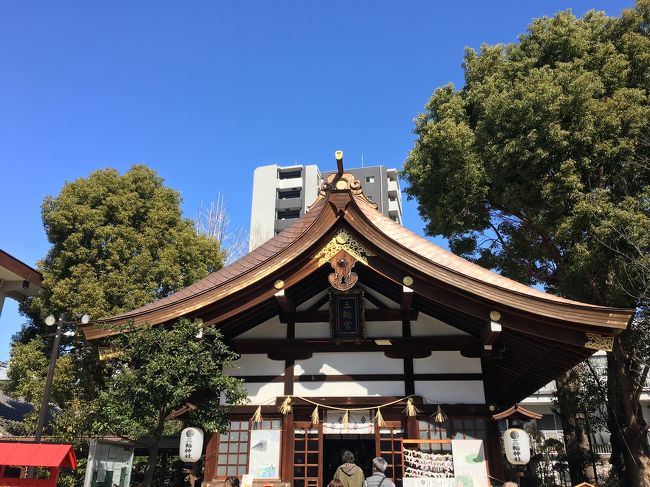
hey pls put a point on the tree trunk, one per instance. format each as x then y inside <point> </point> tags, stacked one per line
<point>576,442</point>
<point>630,454</point>
<point>153,452</point>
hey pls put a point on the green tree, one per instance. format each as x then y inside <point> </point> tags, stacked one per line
<point>539,168</point>
<point>117,243</point>
<point>160,370</point>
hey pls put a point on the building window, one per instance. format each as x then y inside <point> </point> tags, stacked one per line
<point>290,174</point>
<point>232,456</point>
<point>285,194</point>
<point>288,214</point>
<point>468,428</point>
<point>370,179</point>
<point>453,428</point>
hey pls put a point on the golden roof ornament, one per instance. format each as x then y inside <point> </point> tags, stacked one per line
<point>342,181</point>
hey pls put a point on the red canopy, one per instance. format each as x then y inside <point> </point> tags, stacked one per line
<point>37,455</point>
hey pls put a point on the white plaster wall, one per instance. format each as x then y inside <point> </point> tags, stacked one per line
<point>255,364</point>
<point>451,392</point>
<point>387,302</point>
<point>446,363</point>
<point>348,389</point>
<point>313,330</point>
<point>426,325</point>
<point>269,329</point>
<point>349,363</point>
<point>264,393</point>
<point>310,302</point>
<point>383,329</point>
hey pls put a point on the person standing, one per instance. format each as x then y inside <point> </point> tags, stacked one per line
<point>378,477</point>
<point>350,474</point>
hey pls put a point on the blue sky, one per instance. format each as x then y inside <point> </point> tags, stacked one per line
<point>204,91</point>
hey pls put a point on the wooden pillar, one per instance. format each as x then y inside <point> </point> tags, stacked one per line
<point>493,448</point>
<point>409,382</point>
<point>493,441</point>
<point>54,476</point>
<point>210,468</point>
<point>287,449</point>
<point>412,427</point>
<point>289,364</point>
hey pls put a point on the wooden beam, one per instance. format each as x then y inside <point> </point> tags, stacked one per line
<point>412,345</point>
<point>407,299</point>
<point>286,304</point>
<point>258,379</point>
<point>374,300</point>
<point>371,315</point>
<point>489,335</point>
<point>319,303</point>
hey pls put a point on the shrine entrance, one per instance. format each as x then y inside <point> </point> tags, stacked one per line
<point>362,446</point>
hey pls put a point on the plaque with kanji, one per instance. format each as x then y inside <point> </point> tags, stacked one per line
<point>347,316</point>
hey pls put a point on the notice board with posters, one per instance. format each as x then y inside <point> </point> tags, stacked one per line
<point>444,463</point>
<point>109,464</point>
<point>264,454</point>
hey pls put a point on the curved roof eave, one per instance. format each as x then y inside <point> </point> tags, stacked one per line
<point>418,252</point>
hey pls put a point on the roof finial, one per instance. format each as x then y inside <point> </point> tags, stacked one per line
<point>339,161</point>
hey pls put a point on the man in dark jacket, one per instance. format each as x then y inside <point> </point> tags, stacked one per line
<point>378,477</point>
<point>350,474</point>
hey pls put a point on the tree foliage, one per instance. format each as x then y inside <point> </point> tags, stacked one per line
<point>538,167</point>
<point>118,241</point>
<point>160,370</point>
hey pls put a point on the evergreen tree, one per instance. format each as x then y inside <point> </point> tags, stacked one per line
<point>158,371</point>
<point>539,167</point>
<point>117,243</point>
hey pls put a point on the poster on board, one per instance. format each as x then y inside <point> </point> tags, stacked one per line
<point>264,454</point>
<point>469,463</point>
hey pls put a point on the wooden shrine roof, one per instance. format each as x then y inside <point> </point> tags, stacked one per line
<point>517,411</point>
<point>543,334</point>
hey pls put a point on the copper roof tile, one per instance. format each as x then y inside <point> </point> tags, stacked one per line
<point>449,260</point>
<point>259,255</point>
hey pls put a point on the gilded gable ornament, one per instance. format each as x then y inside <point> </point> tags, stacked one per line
<point>343,241</point>
<point>342,278</point>
<point>342,182</point>
<point>599,342</point>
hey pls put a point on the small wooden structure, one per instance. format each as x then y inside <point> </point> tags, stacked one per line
<point>48,455</point>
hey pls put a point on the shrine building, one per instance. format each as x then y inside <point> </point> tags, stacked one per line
<point>355,333</point>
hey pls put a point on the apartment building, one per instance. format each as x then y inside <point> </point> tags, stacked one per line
<point>281,194</point>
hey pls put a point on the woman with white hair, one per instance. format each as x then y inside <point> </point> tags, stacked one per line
<point>378,477</point>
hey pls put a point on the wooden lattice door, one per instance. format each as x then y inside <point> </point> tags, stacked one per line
<point>389,447</point>
<point>307,455</point>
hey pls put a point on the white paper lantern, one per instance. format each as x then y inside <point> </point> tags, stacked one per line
<point>191,445</point>
<point>517,446</point>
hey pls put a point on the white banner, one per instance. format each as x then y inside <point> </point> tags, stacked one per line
<point>359,423</point>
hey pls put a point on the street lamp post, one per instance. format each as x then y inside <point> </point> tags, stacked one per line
<point>42,414</point>
<point>50,321</point>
